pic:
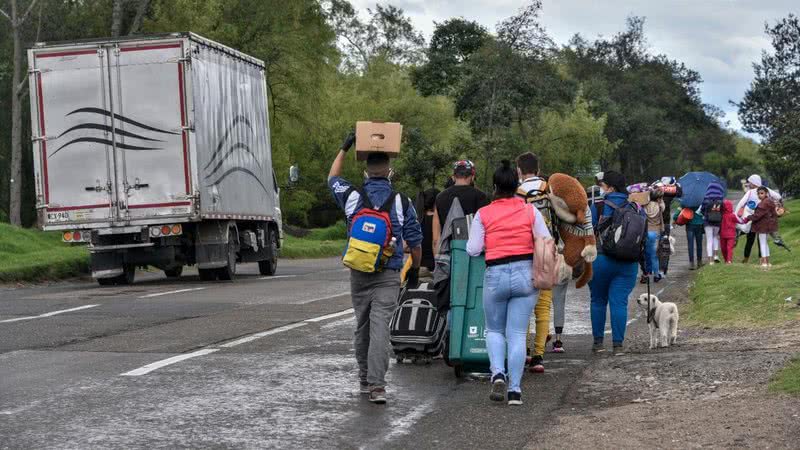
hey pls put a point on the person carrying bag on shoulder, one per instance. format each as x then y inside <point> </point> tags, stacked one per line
<point>506,231</point>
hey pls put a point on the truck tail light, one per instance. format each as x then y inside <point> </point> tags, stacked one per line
<point>166,230</point>
<point>67,237</point>
<point>76,236</point>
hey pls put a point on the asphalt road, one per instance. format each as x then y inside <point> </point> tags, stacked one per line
<point>255,363</point>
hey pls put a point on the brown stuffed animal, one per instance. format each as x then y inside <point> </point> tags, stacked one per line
<point>570,203</point>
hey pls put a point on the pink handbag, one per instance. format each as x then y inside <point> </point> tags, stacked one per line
<point>545,259</point>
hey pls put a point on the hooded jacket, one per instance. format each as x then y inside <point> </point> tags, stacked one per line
<point>727,229</point>
<point>765,219</point>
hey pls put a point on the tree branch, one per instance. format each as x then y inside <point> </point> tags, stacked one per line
<point>24,17</point>
<point>6,15</point>
<point>21,86</point>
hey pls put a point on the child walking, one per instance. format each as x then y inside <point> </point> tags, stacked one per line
<point>727,231</point>
<point>765,221</point>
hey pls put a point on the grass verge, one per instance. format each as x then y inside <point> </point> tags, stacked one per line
<point>788,379</point>
<point>743,295</point>
<point>319,243</point>
<point>27,255</point>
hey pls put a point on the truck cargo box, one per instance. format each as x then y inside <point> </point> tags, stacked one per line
<point>138,131</point>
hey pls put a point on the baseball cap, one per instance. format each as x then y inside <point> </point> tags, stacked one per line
<point>464,168</point>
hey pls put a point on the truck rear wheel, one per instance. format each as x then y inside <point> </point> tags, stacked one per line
<point>127,277</point>
<point>228,272</point>
<point>207,274</point>
<point>175,272</point>
<point>268,267</point>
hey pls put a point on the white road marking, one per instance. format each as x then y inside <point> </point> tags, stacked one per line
<point>262,334</point>
<point>179,291</point>
<point>165,362</point>
<point>323,298</point>
<point>50,314</point>
<point>175,359</point>
<point>330,316</point>
<point>277,277</point>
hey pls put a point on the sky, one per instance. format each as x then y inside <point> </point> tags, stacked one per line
<point>720,39</point>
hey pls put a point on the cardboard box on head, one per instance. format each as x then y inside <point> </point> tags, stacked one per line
<point>642,198</point>
<point>378,137</point>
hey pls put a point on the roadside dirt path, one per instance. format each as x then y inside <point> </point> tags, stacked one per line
<point>709,391</point>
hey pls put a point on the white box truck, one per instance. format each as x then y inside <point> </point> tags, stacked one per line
<point>155,151</point>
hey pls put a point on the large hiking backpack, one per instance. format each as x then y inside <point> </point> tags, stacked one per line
<point>714,213</point>
<point>623,234</point>
<point>369,245</point>
<point>539,199</point>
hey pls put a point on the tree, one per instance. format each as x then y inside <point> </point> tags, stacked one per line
<point>771,105</point>
<point>118,15</point>
<point>388,34</point>
<point>18,90</point>
<point>453,43</point>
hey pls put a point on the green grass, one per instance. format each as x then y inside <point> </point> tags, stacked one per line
<point>319,243</point>
<point>27,255</point>
<point>788,379</point>
<point>744,295</point>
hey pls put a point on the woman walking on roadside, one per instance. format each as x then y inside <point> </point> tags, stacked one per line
<point>505,231</point>
<point>747,206</point>
<point>712,213</point>
<point>613,279</point>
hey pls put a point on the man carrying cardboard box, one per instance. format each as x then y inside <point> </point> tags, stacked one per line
<point>371,210</point>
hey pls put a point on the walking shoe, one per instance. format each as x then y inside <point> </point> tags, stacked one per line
<point>598,347</point>
<point>558,346</point>
<point>498,388</point>
<point>643,278</point>
<point>363,387</point>
<point>692,266</point>
<point>377,395</point>
<point>537,364</point>
<point>657,278</point>
<point>515,398</point>
<point>716,259</point>
<point>745,260</point>
<point>619,350</point>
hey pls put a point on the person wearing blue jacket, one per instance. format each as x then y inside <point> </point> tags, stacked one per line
<point>715,194</point>
<point>613,279</point>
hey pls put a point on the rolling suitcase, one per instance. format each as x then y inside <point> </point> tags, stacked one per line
<point>466,350</point>
<point>417,328</point>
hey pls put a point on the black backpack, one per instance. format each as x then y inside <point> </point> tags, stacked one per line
<point>622,235</point>
<point>714,213</point>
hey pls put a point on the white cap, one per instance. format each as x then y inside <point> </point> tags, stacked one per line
<point>755,180</point>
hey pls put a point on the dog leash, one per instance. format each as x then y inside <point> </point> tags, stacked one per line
<point>650,312</point>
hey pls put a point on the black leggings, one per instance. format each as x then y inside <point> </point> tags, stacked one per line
<point>748,246</point>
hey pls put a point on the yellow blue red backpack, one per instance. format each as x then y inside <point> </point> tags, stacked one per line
<point>370,243</point>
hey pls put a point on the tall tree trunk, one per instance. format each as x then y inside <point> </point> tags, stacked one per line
<point>137,21</point>
<point>116,17</point>
<point>15,190</point>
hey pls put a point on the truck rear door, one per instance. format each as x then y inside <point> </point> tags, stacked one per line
<point>74,158</point>
<point>149,102</point>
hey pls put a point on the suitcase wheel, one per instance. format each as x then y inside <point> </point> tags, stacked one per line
<point>458,369</point>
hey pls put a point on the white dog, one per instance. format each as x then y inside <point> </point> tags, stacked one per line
<point>664,323</point>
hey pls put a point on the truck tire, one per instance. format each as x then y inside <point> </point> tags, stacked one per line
<point>174,272</point>
<point>268,267</point>
<point>127,277</point>
<point>106,281</point>
<point>228,273</point>
<point>207,274</point>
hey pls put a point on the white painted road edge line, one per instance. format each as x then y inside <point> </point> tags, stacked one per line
<point>262,334</point>
<point>277,277</point>
<point>330,316</point>
<point>179,291</point>
<point>165,362</point>
<point>50,314</point>
<point>175,359</point>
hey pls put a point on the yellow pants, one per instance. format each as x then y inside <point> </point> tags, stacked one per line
<point>542,314</point>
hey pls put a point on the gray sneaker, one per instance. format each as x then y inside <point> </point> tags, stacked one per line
<point>377,395</point>
<point>498,393</point>
<point>619,350</point>
<point>598,347</point>
<point>363,387</point>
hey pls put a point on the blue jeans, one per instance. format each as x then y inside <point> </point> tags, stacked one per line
<point>694,234</point>
<point>508,300</point>
<point>650,252</point>
<point>610,288</point>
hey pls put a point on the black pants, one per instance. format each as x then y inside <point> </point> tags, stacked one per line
<point>748,246</point>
